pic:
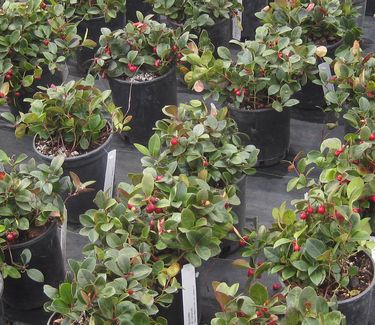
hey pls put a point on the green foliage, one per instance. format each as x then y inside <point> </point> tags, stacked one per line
<point>209,145</point>
<point>196,14</point>
<point>297,307</point>
<point>265,73</point>
<point>73,114</point>
<point>46,40</point>
<point>94,8</point>
<point>323,22</point>
<point>29,198</point>
<point>146,45</point>
<point>120,286</point>
<point>353,78</point>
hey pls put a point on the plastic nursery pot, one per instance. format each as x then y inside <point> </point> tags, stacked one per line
<point>93,26</point>
<point>249,21</point>
<point>361,5</point>
<point>46,256</point>
<point>220,34</point>
<point>90,166</point>
<point>370,8</point>
<point>311,96</point>
<point>229,246</point>
<point>267,129</point>
<point>137,5</point>
<point>17,104</point>
<point>357,309</point>
<point>175,313</point>
<point>147,98</point>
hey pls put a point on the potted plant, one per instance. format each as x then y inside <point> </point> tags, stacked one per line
<point>197,141</point>
<point>31,209</point>
<point>257,85</point>
<point>118,287</point>
<point>92,17</point>
<point>324,248</point>
<point>182,219</point>
<point>347,175</point>
<point>353,79</point>
<point>256,306</point>
<point>324,22</point>
<point>69,120</point>
<point>139,62</point>
<point>34,57</point>
<point>195,15</point>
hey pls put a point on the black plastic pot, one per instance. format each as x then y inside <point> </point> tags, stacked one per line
<point>146,102</point>
<point>93,27</point>
<point>175,313</point>
<point>229,246</point>
<point>370,8</point>
<point>133,6</point>
<point>24,293</point>
<point>249,21</point>
<point>89,167</point>
<point>311,96</point>
<point>220,34</point>
<point>267,129</point>
<point>362,10</point>
<point>357,309</point>
<point>17,104</point>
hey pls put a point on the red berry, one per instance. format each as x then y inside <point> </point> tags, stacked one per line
<point>303,215</point>
<point>130,206</point>
<point>159,210</point>
<point>321,209</point>
<point>235,90</point>
<point>154,49</point>
<point>174,141</point>
<point>276,286</point>
<point>130,292</point>
<point>46,42</point>
<point>8,76</point>
<point>260,263</point>
<point>17,94</point>
<point>310,210</point>
<point>151,224</point>
<point>10,236</point>
<point>159,178</point>
<point>339,178</point>
<point>153,200</point>
<point>372,198</point>
<point>372,137</point>
<point>259,313</point>
<point>150,208</point>
<point>357,210</point>
<point>2,95</point>
<point>250,272</point>
<point>243,241</point>
<point>238,93</point>
<point>42,5</point>
<point>280,55</point>
<point>157,63</point>
<point>2,175</point>
<point>179,55</point>
<point>264,310</point>
<point>338,152</point>
<point>296,247</point>
<point>227,205</point>
<point>174,48</point>
<point>10,72</point>
<point>241,314</point>
<point>205,163</point>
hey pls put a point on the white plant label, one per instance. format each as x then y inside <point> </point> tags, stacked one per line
<point>325,68</point>
<point>110,172</point>
<point>236,31</point>
<point>189,295</point>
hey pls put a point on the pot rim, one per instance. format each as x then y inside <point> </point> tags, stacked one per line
<point>25,244</point>
<point>80,157</point>
<point>332,46</point>
<point>366,291</point>
<point>147,82</point>
<point>258,110</point>
<point>222,20</point>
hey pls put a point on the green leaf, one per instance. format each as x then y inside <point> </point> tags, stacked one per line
<point>148,184</point>
<point>258,292</point>
<point>314,247</point>
<point>154,145</point>
<point>35,275</point>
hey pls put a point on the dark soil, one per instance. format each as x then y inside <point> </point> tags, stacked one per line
<point>33,232</point>
<point>54,147</point>
<point>142,76</point>
<point>330,40</point>
<point>357,283</point>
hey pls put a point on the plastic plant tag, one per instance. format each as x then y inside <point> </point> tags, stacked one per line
<point>189,295</point>
<point>110,172</point>
<point>325,69</point>
<point>236,31</point>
